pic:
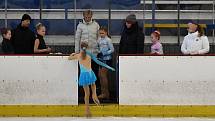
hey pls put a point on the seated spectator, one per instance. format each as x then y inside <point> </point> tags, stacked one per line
<point>40,45</point>
<point>156,47</point>
<point>195,42</point>
<point>7,46</point>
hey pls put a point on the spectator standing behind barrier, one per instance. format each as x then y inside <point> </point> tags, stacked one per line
<point>87,30</point>
<point>132,37</point>
<point>40,45</point>
<point>106,49</point>
<point>156,47</point>
<point>23,38</point>
<point>195,42</point>
<point>7,46</point>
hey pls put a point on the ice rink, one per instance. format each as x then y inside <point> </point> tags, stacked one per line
<point>104,119</point>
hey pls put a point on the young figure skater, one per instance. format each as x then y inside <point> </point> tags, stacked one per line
<point>106,49</point>
<point>87,76</point>
<point>156,47</point>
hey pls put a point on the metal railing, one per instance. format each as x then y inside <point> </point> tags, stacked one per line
<point>100,10</point>
<point>193,2</point>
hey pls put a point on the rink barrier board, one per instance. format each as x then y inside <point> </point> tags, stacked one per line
<point>108,110</point>
<point>166,80</point>
<point>38,80</point>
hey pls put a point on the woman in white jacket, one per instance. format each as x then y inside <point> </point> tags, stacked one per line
<point>195,42</point>
<point>87,30</point>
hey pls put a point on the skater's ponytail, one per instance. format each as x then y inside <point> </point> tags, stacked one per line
<point>84,46</point>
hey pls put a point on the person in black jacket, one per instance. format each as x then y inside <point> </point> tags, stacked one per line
<point>7,47</point>
<point>132,37</point>
<point>23,38</point>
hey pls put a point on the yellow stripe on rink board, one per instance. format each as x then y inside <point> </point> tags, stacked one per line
<point>107,110</point>
<point>170,25</point>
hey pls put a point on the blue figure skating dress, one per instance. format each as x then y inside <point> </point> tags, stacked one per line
<point>87,76</point>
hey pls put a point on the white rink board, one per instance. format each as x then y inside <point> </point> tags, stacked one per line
<point>38,80</point>
<point>167,80</point>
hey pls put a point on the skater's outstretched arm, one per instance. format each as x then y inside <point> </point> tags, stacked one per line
<point>73,56</point>
<point>99,62</point>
